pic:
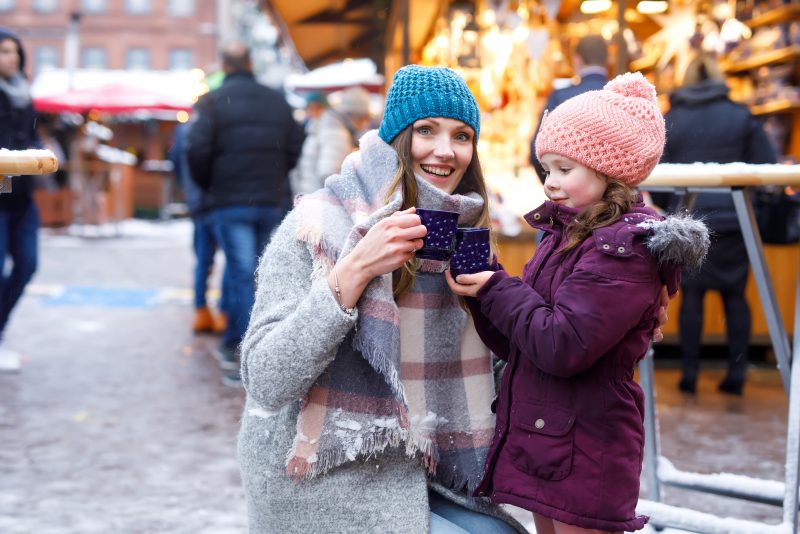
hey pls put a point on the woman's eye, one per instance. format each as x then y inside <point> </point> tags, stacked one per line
<point>463,137</point>
<point>424,130</point>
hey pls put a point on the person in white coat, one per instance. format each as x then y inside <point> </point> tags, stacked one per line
<point>330,139</point>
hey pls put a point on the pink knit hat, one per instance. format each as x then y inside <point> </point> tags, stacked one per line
<point>617,131</point>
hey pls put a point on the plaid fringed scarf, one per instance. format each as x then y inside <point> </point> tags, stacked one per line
<point>413,373</point>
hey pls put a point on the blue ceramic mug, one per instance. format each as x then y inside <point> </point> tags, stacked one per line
<point>440,242</point>
<point>472,251</point>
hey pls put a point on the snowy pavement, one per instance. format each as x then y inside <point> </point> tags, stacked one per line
<point>118,421</point>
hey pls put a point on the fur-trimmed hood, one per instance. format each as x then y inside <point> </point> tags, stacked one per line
<point>678,239</point>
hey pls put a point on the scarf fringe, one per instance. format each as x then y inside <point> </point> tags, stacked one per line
<point>372,445</point>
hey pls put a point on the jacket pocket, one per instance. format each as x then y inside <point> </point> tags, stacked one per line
<point>542,440</point>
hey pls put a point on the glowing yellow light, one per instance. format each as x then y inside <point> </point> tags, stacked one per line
<point>182,116</point>
<point>488,17</point>
<point>590,7</point>
<point>649,7</point>
<point>520,33</point>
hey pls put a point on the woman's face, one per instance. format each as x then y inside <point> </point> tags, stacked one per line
<point>571,184</point>
<point>9,58</point>
<point>441,151</point>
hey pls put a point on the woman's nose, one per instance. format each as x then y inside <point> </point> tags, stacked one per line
<point>443,148</point>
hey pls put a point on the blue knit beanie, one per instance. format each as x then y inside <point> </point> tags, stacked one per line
<point>419,92</point>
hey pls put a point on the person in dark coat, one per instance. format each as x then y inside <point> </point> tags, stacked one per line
<point>704,125</point>
<point>19,217</point>
<point>241,145</point>
<point>569,436</point>
<point>589,62</point>
<point>204,242</point>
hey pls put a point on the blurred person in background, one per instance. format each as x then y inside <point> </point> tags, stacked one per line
<point>203,240</point>
<point>316,104</point>
<point>242,143</point>
<point>705,125</point>
<point>19,217</point>
<point>589,62</point>
<point>330,139</point>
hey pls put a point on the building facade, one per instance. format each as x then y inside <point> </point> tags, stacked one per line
<point>116,34</point>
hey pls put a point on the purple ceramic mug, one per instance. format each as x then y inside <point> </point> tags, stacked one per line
<point>440,241</point>
<point>472,251</point>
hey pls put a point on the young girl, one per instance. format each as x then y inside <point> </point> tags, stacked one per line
<point>569,438</point>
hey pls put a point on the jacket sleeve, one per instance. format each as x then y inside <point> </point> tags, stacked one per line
<point>335,144</point>
<point>200,143</point>
<point>296,325</point>
<point>587,318</point>
<point>490,335</point>
<point>294,143</point>
<point>758,148</point>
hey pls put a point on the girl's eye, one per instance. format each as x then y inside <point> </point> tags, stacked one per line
<point>564,170</point>
<point>424,130</point>
<point>463,137</point>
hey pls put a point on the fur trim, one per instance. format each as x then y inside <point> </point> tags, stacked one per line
<point>679,239</point>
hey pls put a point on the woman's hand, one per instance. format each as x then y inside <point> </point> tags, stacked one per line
<point>467,285</point>
<point>389,244</point>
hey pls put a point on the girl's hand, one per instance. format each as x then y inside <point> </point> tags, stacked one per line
<point>467,285</point>
<point>662,318</point>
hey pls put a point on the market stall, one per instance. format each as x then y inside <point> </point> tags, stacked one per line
<point>735,180</point>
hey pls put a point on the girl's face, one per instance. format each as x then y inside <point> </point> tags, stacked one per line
<point>571,184</point>
<point>441,150</point>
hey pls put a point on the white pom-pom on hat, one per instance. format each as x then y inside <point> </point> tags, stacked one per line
<point>632,84</point>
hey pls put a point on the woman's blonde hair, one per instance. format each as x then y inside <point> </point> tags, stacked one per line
<point>616,202</point>
<point>703,67</point>
<point>471,182</point>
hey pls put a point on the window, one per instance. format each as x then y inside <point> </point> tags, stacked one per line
<point>137,7</point>
<point>7,5</point>
<point>137,59</point>
<point>181,8</point>
<point>93,6</point>
<point>181,59</point>
<point>45,6</point>
<point>46,57</point>
<point>95,58</point>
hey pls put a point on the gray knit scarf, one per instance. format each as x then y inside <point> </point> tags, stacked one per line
<point>17,90</point>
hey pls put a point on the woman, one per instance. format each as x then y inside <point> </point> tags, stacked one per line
<point>366,381</point>
<point>704,124</point>
<point>19,216</point>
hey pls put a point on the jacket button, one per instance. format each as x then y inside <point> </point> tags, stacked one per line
<point>621,250</point>
<point>537,216</point>
<point>539,423</point>
<point>606,246</point>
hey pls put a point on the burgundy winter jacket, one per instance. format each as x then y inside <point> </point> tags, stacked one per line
<point>570,437</point>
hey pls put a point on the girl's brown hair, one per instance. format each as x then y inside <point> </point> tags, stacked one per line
<point>616,202</point>
<point>471,182</point>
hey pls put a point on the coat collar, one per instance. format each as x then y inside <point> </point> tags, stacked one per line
<point>616,239</point>
<point>545,216</point>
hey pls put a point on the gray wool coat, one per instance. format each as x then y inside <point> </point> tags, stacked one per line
<point>295,328</point>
